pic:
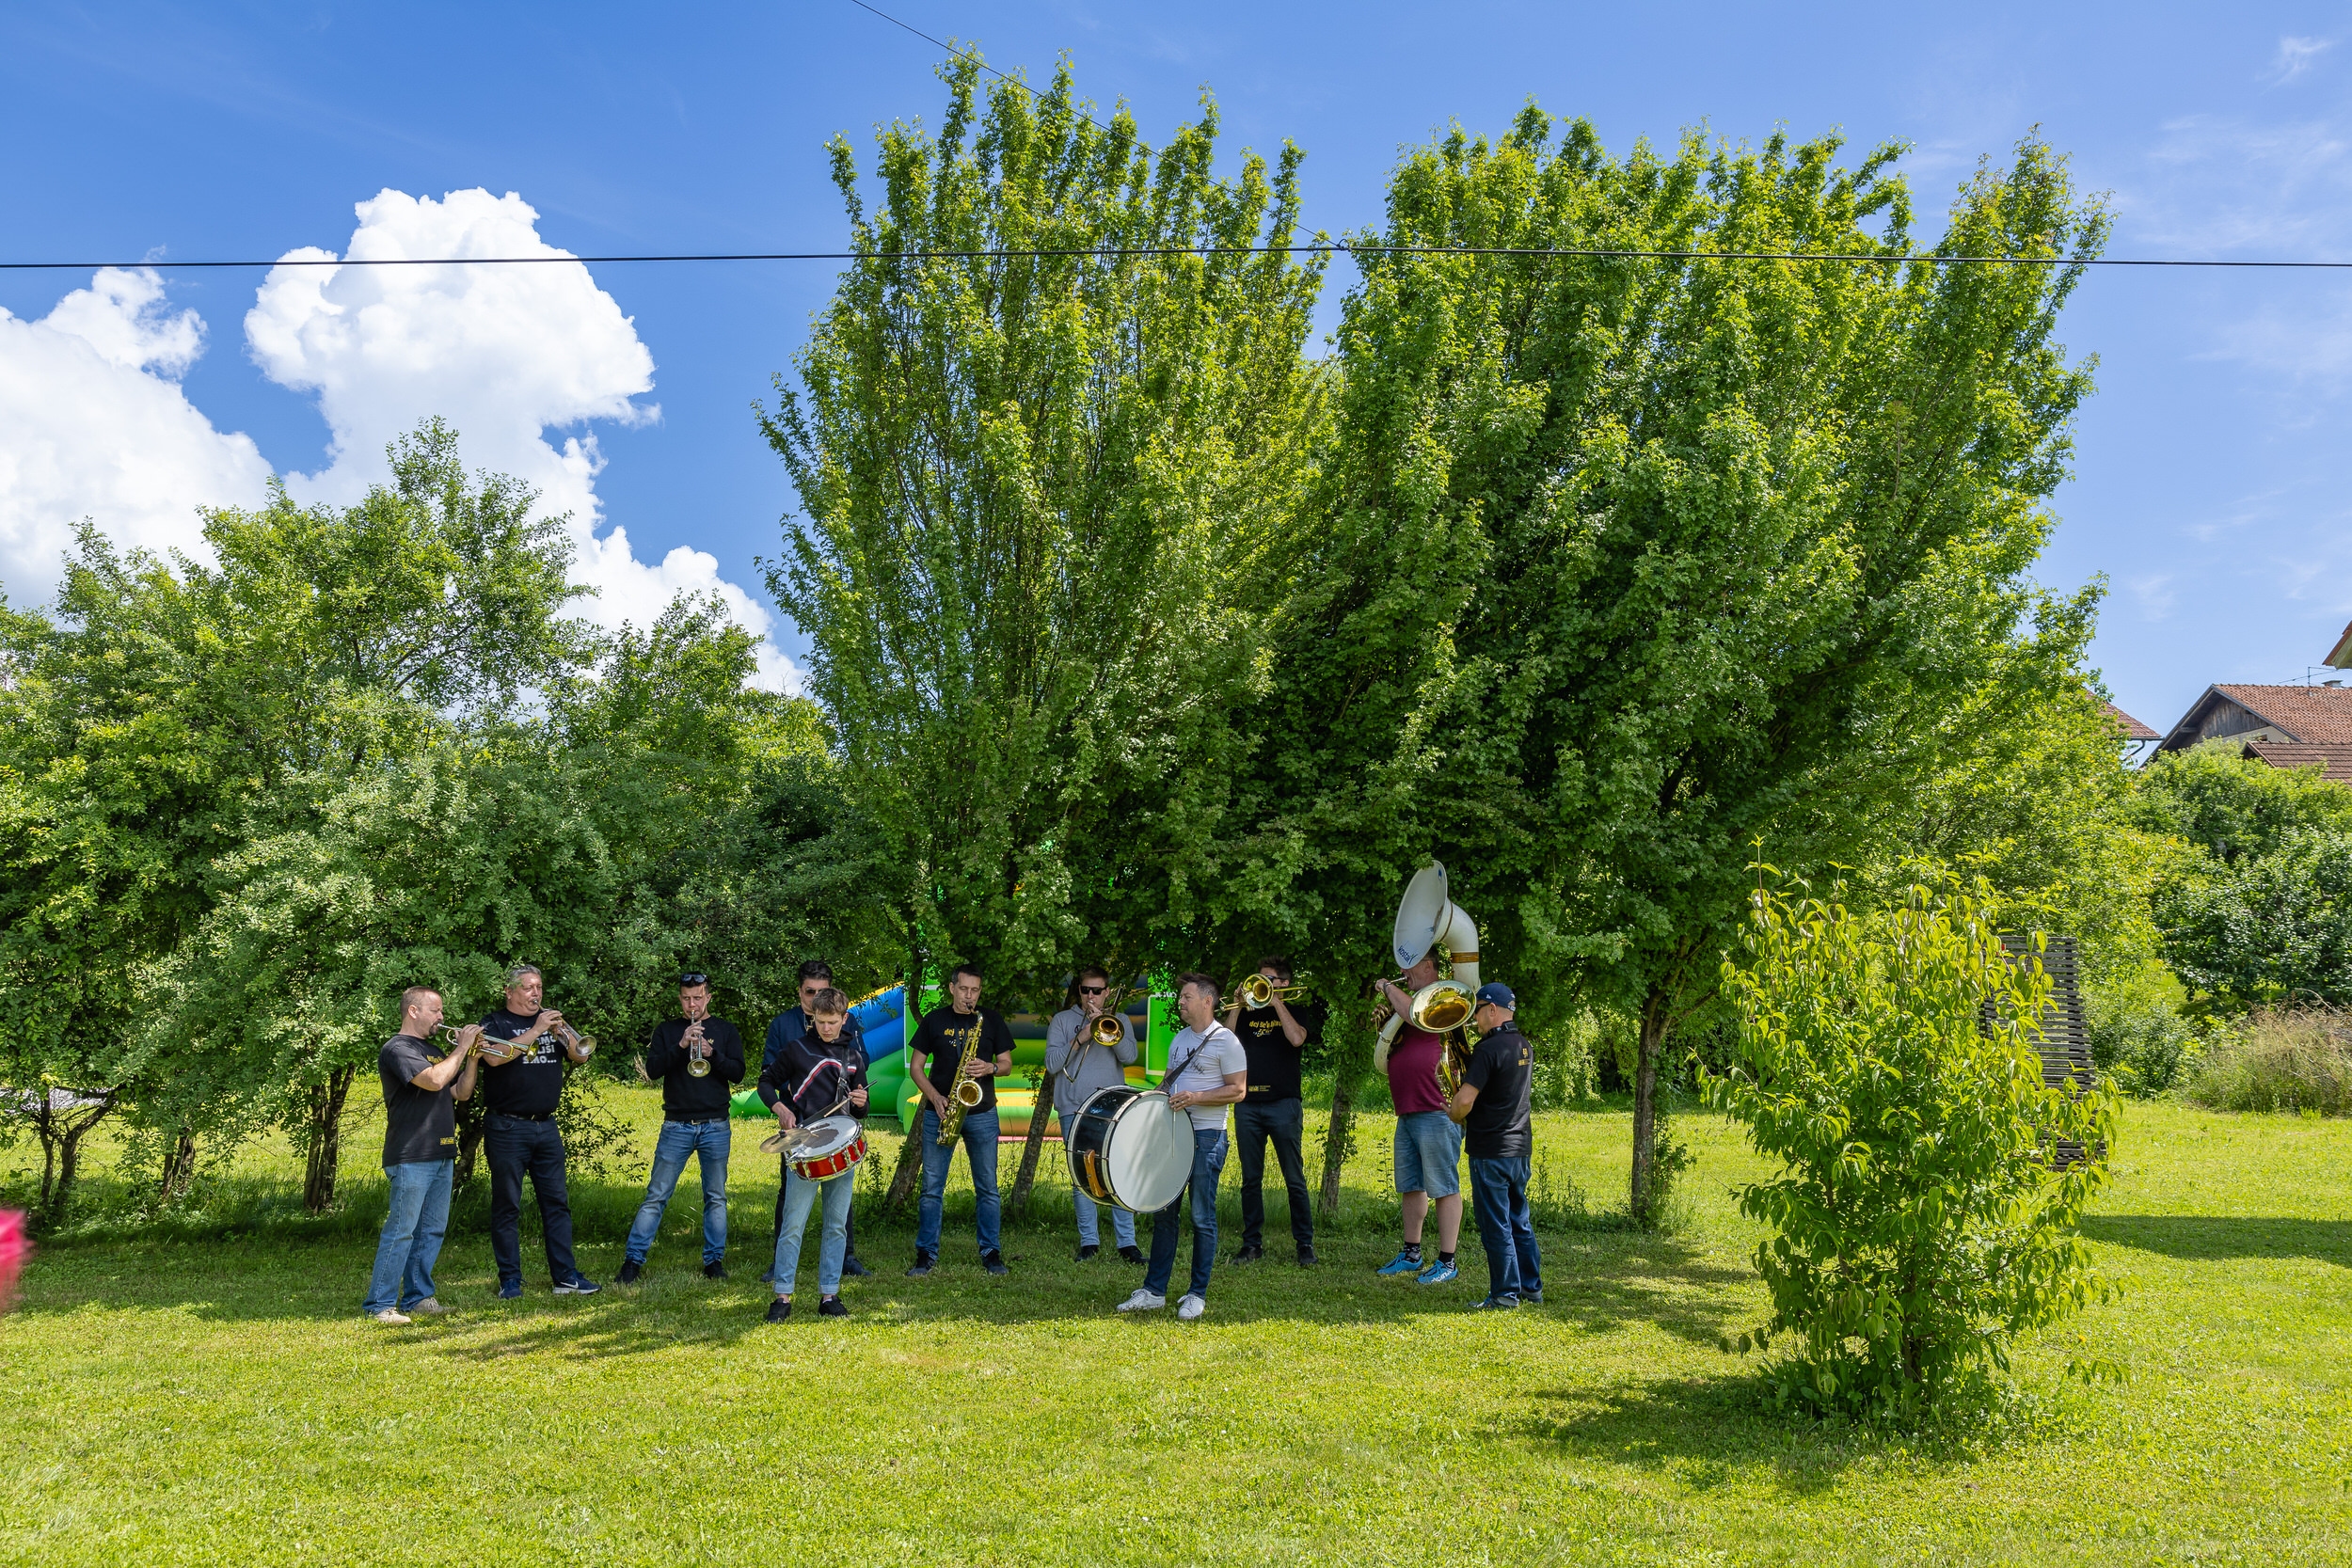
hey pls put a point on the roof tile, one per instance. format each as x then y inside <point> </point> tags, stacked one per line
<point>2314,715</point>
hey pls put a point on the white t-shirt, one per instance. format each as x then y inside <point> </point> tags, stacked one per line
<point>1204,1067</point>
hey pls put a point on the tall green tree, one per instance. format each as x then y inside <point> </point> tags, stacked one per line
<point>1038,494</point>
<point>1684,553</point>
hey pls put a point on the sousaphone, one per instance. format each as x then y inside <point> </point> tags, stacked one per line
<point>1427,918</point>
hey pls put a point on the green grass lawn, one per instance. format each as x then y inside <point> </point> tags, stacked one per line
<point>204,1400</point>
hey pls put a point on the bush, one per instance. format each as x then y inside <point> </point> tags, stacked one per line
<point>1888,1067</point>
<point>2147,1051</point>
<point>2298,1060</point>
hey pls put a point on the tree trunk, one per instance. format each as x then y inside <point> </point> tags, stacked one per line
<point>323,1135</point>
<point>178,1165</point>
<point>474,1121</point>
<point>1653,1040</point>
<point>1339,1139</point>
<point>1035,1142</point>
<point>902,1180</point>
<point>61,1131</point>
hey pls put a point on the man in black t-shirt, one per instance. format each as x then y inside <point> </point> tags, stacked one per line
<point>420,1092</point>
<point>1492,1106</point>
<point>1275,1036</point>
<point>938,1046</point>
<point>693,1122</point>
<point>525,1052</point>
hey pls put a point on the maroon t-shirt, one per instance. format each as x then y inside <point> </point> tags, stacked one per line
<point>1413,1070</point>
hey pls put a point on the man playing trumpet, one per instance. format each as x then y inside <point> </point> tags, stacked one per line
<point>525,1048</point>
<point>1082,1064</point>
<point>1275,1032</point>
<point>695,1058</point>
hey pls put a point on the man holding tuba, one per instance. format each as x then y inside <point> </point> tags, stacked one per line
<point>1088,1046</point>
<point>954,1057</point>
<point>695,1058</point>
<point>1428,1141</point>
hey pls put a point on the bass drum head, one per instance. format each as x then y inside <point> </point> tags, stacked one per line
<point>1149,1153</point>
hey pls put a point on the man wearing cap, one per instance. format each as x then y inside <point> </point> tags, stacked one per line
<point>693,1122</point>
<point>1492,1106</point>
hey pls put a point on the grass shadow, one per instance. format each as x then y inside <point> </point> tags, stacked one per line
<point>2209,1238</point>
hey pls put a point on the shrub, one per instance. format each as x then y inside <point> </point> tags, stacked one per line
<point>1917,1227</point>
<point>2298,1060</point>
<point>2146,1051</point>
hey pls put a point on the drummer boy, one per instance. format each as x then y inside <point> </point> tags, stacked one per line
<point>820,1078</point>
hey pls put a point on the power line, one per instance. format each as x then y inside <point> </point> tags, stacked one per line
<point>974,55</point>
<point>1112,253</point>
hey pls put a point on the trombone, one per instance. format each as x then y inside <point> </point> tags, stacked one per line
<point>1259,991</point>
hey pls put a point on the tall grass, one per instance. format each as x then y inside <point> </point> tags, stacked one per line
<point>2279,1060</point>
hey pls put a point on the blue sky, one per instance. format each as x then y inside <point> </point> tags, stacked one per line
<point>2211,476</point>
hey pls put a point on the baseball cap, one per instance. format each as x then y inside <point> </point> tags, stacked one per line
<point>1497,993</point>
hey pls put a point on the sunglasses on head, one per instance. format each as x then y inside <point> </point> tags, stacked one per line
<point>691,980</point>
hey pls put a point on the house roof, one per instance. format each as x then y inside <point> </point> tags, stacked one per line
<point>2314,714</point>
<point>2133,728</point>
<point>2334,760</point>
<point>2340,657</point>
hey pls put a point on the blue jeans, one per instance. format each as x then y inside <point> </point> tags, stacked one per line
<point>1090,1232</point>
<point>979,1146</point>
<point>1283,1122</point>
<point>1208,1161</point>
<point>413,1227</point>
<point>800,1195</point>
<point>709,1141</point>
<point>1505,1229</point>
<point>517,1146</point>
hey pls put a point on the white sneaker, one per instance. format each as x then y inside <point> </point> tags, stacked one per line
<point>431,1307</point>
<point>1143,1301</point>
<point>1191,1307</point>
<point>390,1318</point>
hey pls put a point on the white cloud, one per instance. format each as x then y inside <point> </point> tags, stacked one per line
<point>93,425</point>
<point>2297,55</point>
<point>504,354</point>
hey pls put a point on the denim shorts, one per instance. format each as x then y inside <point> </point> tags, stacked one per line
<point>1428,1154</point>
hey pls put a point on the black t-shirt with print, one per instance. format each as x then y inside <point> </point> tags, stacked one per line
<point>1273,1060</point>
<point>531,1085</point>
<point>1501,1070</point>
<point>942,1035</point>
<point>418,1124</point>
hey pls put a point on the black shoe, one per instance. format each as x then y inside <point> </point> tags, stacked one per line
<point>1307,1258</point>
<point>779,1309</point>
<point>852,1269</point>
<point>714,1271</point>
<point>630,1269</point>
<point>831,1307</point>
<point>769,1278</point>
<point>1088,1250</point>
<point>1532,1298</point>
<point>1506,1302</point>
<point>1132,1254</point>
<point>923,1261</point>
<point>993,1262</point>
<point>1252,1253</point>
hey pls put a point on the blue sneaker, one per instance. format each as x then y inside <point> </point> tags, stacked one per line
<point>512,1291</point>
<point>1404,1262</point>
<point>1506,1302</point>
<point>1439,1273</point>
<point>580,1286</point>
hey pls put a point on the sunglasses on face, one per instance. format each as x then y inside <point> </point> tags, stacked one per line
<point>1092,991</point>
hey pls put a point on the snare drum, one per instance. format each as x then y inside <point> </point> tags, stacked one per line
<point>835,1145</point>
<point>1127,1148</point>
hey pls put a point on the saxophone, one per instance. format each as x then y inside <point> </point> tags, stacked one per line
<point>966,1094</point>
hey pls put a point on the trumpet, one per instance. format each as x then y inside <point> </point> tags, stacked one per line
<point>1259,991</point>
<point>697,1051</point>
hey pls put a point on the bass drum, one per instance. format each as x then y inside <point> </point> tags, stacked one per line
<point>1129,1149</point>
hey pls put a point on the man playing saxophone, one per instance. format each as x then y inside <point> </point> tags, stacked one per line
<point>1082,1064</point>
<point>956,1054</point>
